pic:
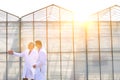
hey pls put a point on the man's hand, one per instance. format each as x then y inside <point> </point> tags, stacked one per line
<point>10,52</point>
<point>34,66</point>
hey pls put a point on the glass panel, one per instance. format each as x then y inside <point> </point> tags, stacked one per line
<point>67,70</point>
<point>2,16</point>
<point>3,45</point>
<point>3,37</point>
<point>28,17</point>
<point>26,34</point>
<point>117,69</point>
<point>115,13</point>
<point>79,38</point>
<point>53,13</point>
<point>105,39</point>
<point>40,32</point>
<point>3,70</point>
<point>66,37</point>
<point>67,66</point>
<point>92,37</point>
<point>54,66</point>
<point>93,65</point>
<point>13,70</point>
<point>80,66</point>
<point>106,70</point>
<point>12,18</point>
<point>65,15</point>
<point>116,48</point>
<point>40,15</point>
<point>13,36</point>
<point>54,37</point>
<point>13,44</point>
<point>105,15</point>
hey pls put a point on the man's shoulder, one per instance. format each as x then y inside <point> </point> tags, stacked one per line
<point>25,51</point>
<point>43,50</point>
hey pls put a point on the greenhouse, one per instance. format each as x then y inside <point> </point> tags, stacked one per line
<point>75,51</point>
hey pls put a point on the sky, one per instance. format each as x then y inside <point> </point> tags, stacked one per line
<point>81,7</point>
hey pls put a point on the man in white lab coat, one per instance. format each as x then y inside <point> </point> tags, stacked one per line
<point>30,56</point>
<point>41,65</point>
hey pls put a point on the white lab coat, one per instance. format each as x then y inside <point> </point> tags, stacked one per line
<point>41,65</point>
<point>30,60</point>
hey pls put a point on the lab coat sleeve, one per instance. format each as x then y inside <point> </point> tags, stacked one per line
<point>19,54</point>
<point>42,59</point>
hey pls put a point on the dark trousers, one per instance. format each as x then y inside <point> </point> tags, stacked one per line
<point>27,79</point>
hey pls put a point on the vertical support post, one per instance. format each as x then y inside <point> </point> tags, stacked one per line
<point>86,45</point>
<point>99,44</point>
<point>73,46</point>
<point>60,44</point>
<point>6,46</point>
<point>20,59</point>
<point>47,40</point>
<point>33,28</point>
<point>111,37</point>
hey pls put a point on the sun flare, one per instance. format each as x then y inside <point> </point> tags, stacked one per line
<point>82,12</point>
<point>81,17</point>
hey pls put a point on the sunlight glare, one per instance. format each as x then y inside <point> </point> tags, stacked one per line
<point>82,12</point>
<point>81,17</point>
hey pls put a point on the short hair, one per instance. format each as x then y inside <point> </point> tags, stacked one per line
<point>31,43</point>
<point>38,42</point>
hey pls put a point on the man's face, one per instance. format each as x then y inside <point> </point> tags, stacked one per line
<point>30,46</point>
<point>38,46</point>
